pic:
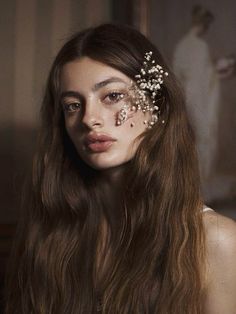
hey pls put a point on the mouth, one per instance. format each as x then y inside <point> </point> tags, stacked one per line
<point>98,142</point>
<point>100,146</point>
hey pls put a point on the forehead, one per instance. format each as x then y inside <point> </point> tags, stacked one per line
<point>85,72</point>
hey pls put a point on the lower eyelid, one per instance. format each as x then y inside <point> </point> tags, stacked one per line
<point>67,109</point>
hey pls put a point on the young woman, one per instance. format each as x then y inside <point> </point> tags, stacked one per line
<point>114,221</point>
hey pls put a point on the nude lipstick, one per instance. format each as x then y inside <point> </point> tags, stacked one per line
<point>98,142</point>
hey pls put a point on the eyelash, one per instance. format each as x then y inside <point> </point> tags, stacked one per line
<point>119,96</point>
<point>67,107</point>
<point>76,106</point>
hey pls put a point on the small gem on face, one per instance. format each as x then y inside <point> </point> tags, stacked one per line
<point>122,115</point>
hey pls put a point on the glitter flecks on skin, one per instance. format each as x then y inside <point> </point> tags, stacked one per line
<point>122,115</point>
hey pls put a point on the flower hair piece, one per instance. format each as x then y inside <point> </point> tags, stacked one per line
<point>148,86</point>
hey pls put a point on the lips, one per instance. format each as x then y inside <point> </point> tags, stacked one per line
<point>98,142</point>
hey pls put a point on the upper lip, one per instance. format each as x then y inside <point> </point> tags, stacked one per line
<point>98,137</point>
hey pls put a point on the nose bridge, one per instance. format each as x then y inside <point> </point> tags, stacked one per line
<point>92,113</point>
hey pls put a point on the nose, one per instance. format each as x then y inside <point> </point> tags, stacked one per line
<point>92,115</point>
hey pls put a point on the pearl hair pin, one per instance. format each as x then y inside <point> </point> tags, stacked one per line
<point>145,91</point>
<point>148,87</point>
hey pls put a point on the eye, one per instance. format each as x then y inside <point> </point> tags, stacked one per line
<point>114,97</point>
<point>72,107</point>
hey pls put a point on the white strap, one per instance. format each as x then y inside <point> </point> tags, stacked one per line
<point>205,209</point>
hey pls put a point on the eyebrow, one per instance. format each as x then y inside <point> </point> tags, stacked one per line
<point>95,88</point>
<point>70,93</point>
<point>106,82</point>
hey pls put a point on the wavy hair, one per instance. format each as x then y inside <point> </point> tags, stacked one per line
<point>156,241</point>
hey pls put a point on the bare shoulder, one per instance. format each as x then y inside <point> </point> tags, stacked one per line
<point>220,232</point>
<point>220,263</point>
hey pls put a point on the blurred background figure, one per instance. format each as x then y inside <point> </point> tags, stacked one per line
<point>200,77</point>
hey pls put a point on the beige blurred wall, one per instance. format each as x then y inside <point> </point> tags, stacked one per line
<point>31,32</point>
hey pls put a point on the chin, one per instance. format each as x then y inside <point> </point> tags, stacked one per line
<point>106,163</point>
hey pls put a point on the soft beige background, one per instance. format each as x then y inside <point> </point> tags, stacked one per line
<point>31,31</point>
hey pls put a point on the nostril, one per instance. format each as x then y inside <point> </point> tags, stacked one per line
<point>91,122</point>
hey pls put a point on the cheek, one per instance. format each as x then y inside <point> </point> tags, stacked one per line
<point>135,124</point>
<point>130,131</point>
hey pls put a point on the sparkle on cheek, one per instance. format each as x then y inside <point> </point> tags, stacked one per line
<point>122,115</point>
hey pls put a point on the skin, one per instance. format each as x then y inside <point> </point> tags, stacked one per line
<point>220,294</point>
<point>95,110</point>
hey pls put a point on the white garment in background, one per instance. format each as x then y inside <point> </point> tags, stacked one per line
<point>193,66</point>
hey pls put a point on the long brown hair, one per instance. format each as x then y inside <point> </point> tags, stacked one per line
<point>157,236</point>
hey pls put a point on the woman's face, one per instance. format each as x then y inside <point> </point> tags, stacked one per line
<point>92,96</point>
